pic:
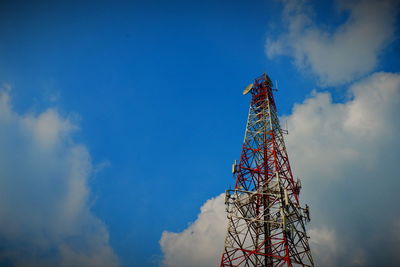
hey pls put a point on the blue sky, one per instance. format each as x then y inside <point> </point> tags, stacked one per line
<point>155,90</point>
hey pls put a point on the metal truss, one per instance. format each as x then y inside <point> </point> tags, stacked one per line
<point>266,223</point>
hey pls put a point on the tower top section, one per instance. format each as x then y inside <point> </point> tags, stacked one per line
<point>262,81</point>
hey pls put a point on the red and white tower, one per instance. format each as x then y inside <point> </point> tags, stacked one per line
<point>266,225</point>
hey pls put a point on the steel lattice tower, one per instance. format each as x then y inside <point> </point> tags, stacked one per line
<point>266,225</point>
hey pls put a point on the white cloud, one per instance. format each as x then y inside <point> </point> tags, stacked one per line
<point>342,136</point>
<point>201,244</point>
<point>45,217</point>
<point>48,128</point>
<point>323,245</point>
<point>340,55</point>
<point>347,157</point>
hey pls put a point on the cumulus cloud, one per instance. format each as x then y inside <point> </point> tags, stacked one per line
<point>338,55</point>
<point>345,134</point>
<point>45,217</point>
<point>347,156</point>
<point>201,244</point>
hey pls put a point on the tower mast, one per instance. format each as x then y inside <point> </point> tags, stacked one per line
<point>266,225</point>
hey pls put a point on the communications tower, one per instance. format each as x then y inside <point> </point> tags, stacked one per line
<point>266,225</point>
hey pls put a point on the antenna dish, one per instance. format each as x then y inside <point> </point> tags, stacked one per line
<point>247,89</point>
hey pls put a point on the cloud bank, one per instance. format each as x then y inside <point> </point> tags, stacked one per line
<point>45,217</point>
<point>347,155</point>
<point>343,54</point>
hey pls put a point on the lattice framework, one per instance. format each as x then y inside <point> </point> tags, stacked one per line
<point>266,223</point>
